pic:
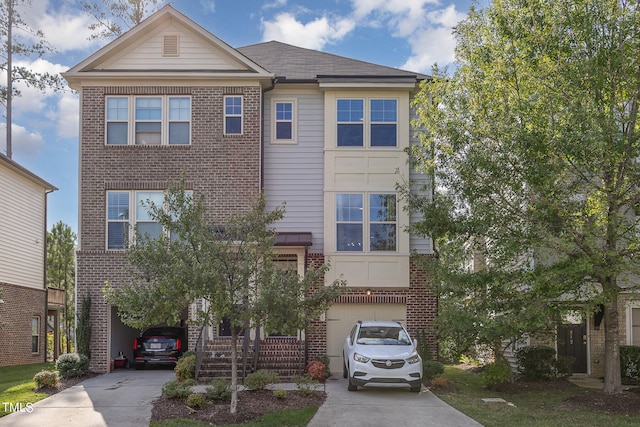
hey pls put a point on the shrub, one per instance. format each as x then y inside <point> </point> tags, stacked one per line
<point>178,389</point>
<point>496,373</point>
<point>630,361</point>
<point>46,379</point>
<point>72,365</point>
<point>306,386</point>
<point>432,368</point>
<point>539,362</point>
<point>219,390</point>
<point>280,394</point>
<point>325,361</point>
<point>196,401</point>
<point>317,370</point>
<point>186,367</point>
<point>260,380</point>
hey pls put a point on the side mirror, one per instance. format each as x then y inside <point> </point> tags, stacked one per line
<point>415,343</point>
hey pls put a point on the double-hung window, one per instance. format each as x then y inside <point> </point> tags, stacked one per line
<point>147,227</point>
<point>284,121</point>
<point>366,227</point>
<point>371,122</point>
<point>156,120</point>
<point>117,219</point>
<point>35,334</point>
<point>233,115</point>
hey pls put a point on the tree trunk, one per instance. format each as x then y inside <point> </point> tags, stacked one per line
<point>612,378</point>
<point>234,371</point>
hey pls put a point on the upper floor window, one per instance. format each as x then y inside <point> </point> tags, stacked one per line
<point>233,115</point>
<point>157,120</point>
<point>375,127</point>
<point>284,128</point>
<point>130,210</point>
<point>360,226</point>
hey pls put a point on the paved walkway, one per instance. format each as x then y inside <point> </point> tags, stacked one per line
<point>383,405</point>
<point>122,398</point>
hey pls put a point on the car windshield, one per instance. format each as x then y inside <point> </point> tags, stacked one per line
<point>383,335</point>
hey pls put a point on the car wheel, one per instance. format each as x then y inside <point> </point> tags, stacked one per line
<point>345,372</point>
<point>138,366</point>
<point>352,386</point>
<point>416,389</point>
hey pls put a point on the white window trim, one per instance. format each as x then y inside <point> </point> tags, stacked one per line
<point>631,305</point>
<point>37,334</point>
<point>132,221</point>
<point>294,121</point>
<point>225,115</point>
<point>366,123</point>
<point>366,223</point>
<point>131,120</point>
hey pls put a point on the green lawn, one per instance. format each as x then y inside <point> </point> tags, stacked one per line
<point>284,418</point>
<point>16,384</point>
<point>539,408</point>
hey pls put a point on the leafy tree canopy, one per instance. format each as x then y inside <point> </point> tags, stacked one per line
<point>533,145</point>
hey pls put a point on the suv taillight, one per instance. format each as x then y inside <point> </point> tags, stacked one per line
<point>178,344</point>
<point>135,343</point>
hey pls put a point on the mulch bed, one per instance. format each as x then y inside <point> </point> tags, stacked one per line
<point>625,403</point>
<point>64,383</point>
<point>251,405</point>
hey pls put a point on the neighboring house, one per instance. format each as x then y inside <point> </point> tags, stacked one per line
<point>23,233</point>
<point>323,133</point>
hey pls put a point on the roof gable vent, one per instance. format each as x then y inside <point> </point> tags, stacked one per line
<point>170,45</point>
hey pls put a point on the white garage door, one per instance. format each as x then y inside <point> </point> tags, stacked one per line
<point>342,317</point>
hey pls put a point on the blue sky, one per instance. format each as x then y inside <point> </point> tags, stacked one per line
<point>407,34</point>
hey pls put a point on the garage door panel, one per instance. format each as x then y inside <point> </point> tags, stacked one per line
<point>342,317</point>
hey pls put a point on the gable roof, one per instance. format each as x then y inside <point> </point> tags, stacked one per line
<point>296,64</point>
<point>21,170</point>
<point>140,51</point>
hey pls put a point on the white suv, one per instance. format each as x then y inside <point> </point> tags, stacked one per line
<point>381,352</point>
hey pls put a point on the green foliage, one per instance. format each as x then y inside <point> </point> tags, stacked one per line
<point>280,394</point>
<point>61,242</point>
<point>306,386</point>
<point>532,146</point>
<point>219,390</point>
<point>431,368</point>
<point>196,401</point>
<point>83,331</point>
<point>178,389</point>
<point>540,362</point>
<point>17,385</point>
<point>186,367</point>
<point>496,373</point>
<point>72,365</point>
<point>259,380</point>
<point>630,361</point>
<point>46,379</point>
<point>113,17</point>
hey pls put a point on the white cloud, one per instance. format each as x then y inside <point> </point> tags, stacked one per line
<point>23,142</point>
<point>430,46</point>
<point>209,6</point>
<point>67,115</point>
<point>313,35</point>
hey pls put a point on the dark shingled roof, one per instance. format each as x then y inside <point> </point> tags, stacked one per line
<point>292,63</point>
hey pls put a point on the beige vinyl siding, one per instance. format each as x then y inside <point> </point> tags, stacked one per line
<point>195,53</point>
<point>21,230</point>
<point>293,172</point>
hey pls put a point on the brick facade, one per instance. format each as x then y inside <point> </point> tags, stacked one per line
<point>21,304</point>
<point>225,169</point>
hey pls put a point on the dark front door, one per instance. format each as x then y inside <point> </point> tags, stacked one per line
<point>572,342</point>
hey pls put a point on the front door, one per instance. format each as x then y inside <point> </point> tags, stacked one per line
<point>572,342</point>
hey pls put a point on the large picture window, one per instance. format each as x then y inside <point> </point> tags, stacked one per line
<point>157,120</point>
<point>373,123</point>
<point>371,227</point>
<point>130,210</point>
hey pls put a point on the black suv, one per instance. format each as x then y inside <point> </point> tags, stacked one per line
<point>159,346</point>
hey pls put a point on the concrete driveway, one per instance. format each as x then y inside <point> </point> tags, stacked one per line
<point>384,405</point>
<point>121,398</point>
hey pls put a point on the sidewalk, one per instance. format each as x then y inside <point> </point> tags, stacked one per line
<point>121,398</point>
